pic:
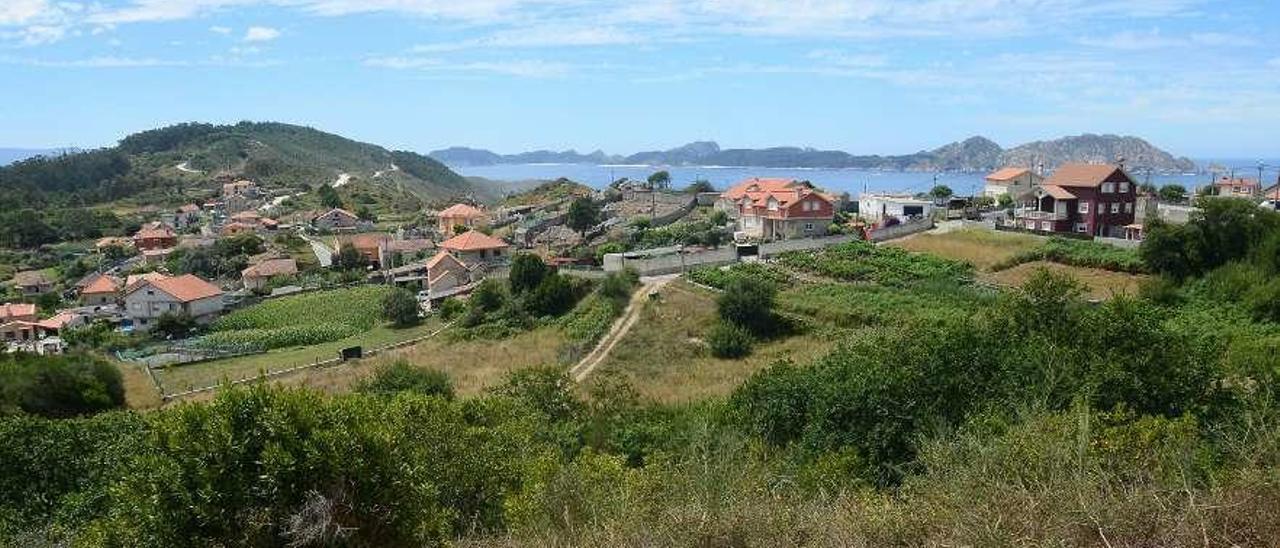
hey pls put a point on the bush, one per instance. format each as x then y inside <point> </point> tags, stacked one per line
<point>527,271</point>
<point>729,341</point>
<point>450,308</point>
<point>400,376</point>
<point>58,386</point>
<point>175,326</point>
<point>748,303</point>
<point>553,296</point>
<point>400,308</point>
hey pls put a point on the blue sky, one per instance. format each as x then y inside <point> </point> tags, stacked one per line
<point>1196,77</point>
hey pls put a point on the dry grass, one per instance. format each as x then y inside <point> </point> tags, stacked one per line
<point>665,359</point>
<point>139,392</point>
<point>1101,284</point>
<point>978,247</point>
<point>473,365</point>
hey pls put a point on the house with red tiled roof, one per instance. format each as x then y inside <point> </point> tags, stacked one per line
<point>475,247</point>
<point>102,290</point>
<point>17,312</point>
<point>772,209</point>
<point>460,215</point>
<point>446,272</point>
<point>372,247</point>
<point>155,235</point>
<point>1093,199</point>
<point>186,216</point>
<point>259,275</point>
<point>1238,187</point>
<point>1014,181</point>
<point>149,299</point>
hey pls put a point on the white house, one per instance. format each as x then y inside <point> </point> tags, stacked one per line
<point>878,207</point>
<point>1014,181</point>
<point>148,299</point>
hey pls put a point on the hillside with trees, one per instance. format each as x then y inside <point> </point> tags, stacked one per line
<point>172,164</point>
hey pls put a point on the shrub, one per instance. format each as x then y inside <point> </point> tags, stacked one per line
<point>175,326</point>
<point>527,271</point>
<point>58,386</point>
<point>450,308</point>
<point>400,308</point>
<point>729,341</point>
<point>553,296</point>
<point>400,376</point>
<point>748,303</point>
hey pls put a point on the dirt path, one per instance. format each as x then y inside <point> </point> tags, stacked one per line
<point>380,173</point>
<point>620,327</point>
<point>183,167</point>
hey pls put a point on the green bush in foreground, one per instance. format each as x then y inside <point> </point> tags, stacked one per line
<point>401,376</point>
<point>729,341</point>
<point>58,386</point>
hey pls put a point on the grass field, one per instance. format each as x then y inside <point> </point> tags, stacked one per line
<point>473,365</point>
<point>139,392</point>
<point>186,377</point>
<point>1101,284</point>
<point>978,247</point>
<point>664,358</point>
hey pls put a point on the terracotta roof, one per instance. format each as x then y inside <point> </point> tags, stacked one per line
<point>246,216</point>
<point>232,228</point>
<point>102,284</point>
<point>442,257</point>
<point>368,240</point>
<point>473,241</point>
<point>113,240</point>
<point>461,210</point>
<point>154,229</point>
<point>339,211</point>
<point>1057,192</point>
<point>1007,174</point>
<point>134,279</point>
<point>16,310</point>
<point>1228,181</point>
<point>31,278</point>
<point>1083,175</point>
<point>755,194</point>
<point>271,267</point>
<point>59,321</point>
<point>185,288</point>
<point>758,185</point>
<point>189,208</point>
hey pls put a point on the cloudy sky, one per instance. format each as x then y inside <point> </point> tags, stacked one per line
<point>1200,78</point>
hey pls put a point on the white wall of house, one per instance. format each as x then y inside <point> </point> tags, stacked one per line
<point>876,208</point>
<point>148,303</point>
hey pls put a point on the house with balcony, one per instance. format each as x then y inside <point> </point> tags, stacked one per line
<point>774,209</point>
<point>1014,181</point>
<point>1238,187</point>
<point>1092,199</point>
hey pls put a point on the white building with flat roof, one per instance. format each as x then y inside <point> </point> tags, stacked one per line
<point>878,207</point>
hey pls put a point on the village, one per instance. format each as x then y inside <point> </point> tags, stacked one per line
<point>643,226</point>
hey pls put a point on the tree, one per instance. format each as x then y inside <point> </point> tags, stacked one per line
<point>748,303</point>
<point>553,297</point>
<point>400,308</point>
<point>460,229</point>
<point>729,341</point>
<point>58,386</point>
<point>1005,201</point>
<point>1173,193</point>
<point>175,326</point>
<point>348,258</point>
<point>941,192</point>
<point>527,271</point>
<point>328,196</point>
<point>718,218</point>
<point>701,185</point>
<point>660,179</point>
<point>583,214</point>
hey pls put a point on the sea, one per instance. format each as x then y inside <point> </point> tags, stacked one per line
<point>853,181</point>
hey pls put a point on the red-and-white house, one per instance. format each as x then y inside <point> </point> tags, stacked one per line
<point>772,209</point>
<point>155,235</point>
<point>1094,199</point>
<point>460,215</point>
<point>1238,187</point>
<point>475,247</point>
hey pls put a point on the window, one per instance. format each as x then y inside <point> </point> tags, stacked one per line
<point>1115,207</point>
<point>808,227</point>
<point>1082,228</point>
<point>1084,208</point>
<point>1108,188</point>
<point>1124,187</point>
<point>1128,207</point>
<point>1046,226</point>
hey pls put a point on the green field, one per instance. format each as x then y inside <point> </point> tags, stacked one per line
<point>312,318</point>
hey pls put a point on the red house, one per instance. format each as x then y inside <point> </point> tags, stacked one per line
<point>1094,199</point>
<point>771,209</point>
<point>155,235</point>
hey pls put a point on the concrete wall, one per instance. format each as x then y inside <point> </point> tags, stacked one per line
<point>900,230</point>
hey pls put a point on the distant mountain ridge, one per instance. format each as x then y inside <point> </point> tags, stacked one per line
<point>11,155</point>
<point>975,154</point>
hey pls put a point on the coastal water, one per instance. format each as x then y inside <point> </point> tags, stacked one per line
<point>853,181</point>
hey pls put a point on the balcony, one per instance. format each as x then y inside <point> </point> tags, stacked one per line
<point>1037,215</point>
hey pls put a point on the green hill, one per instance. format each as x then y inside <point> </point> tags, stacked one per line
<point>178,163</point>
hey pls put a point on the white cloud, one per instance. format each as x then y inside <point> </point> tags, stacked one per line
<point>542,37</point>
<point>1133,41</point>
<point>17,12</point>
<point>524,68</point>
<point>261,34</point>
<point>220,30</point>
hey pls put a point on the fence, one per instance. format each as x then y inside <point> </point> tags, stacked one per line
<point>1119,242</point>
<point>675,261</point>
<point>282,372</point>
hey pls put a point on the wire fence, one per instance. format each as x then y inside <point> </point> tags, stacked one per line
<point>266,375</point>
